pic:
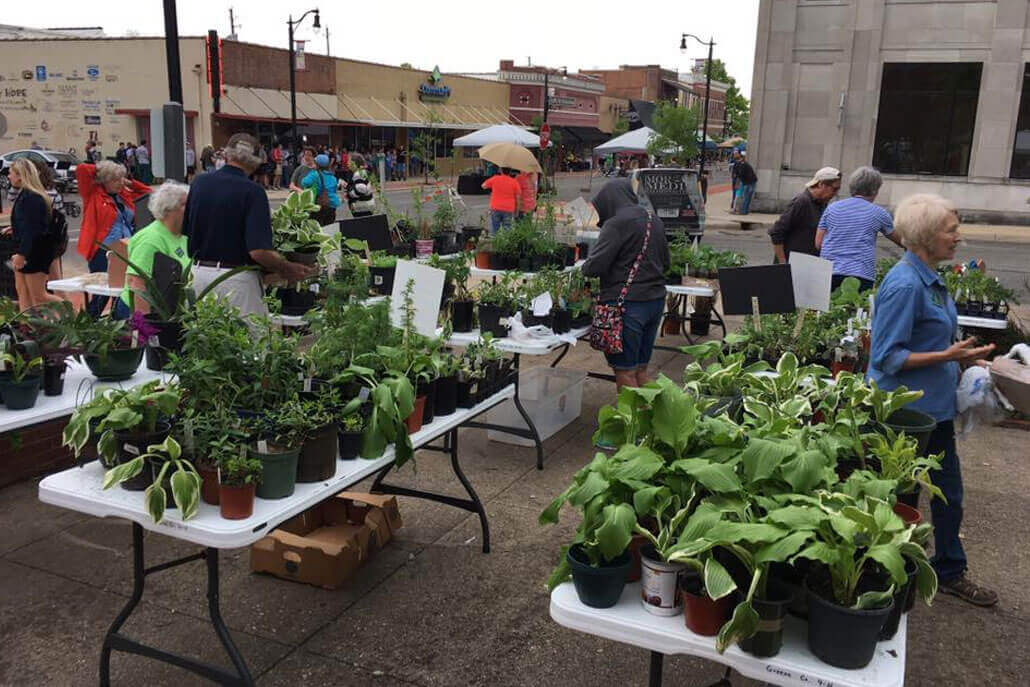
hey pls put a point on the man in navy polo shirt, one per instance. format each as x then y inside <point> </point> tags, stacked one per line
<point>228,222</point>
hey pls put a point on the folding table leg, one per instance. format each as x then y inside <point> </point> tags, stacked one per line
<point>529,420</point>
<point>655,678</point>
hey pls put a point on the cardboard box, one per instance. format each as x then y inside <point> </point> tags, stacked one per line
<point>379,511</point>
<point>319,546</point>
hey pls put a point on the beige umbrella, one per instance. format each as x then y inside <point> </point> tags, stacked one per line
<point>510,155</point>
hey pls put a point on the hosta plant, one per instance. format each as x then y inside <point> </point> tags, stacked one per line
<point>293,229</point>
<point>183,479</point>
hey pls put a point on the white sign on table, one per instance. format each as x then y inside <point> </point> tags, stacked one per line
<point>425,296</point>
<point>812,278</point>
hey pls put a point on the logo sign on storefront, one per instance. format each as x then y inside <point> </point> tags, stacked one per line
<point>433,90</point>
<point>93,72</point>
<point>40,72</point>
<point>92,119</point>
<point>27,75</point>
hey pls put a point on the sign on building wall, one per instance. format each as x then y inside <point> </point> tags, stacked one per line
<point>433,89</point>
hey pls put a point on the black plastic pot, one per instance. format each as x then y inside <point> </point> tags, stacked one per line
<point>20,395</point>
<point>445,242</point>
<point>118,365</point>
<point>447,294</point>
<point>382,279</point>
<point>428,389</point>
<point>531,320</point>
<point>771,612</point>
<point>466,394</point>
<point>446,401</point>
<point>536,262</point>
<point>462,315</point>
<point>132,444</point>
<point>583,320</point>
<point>317,460</point>
<point>349,444</point>
<point>598,587</point>
<point>901,596</point>
<point>498,261</point>
<point>569,256</point>
<point>53,377</point>
<point>561,321</point>
<point>294,301</point>
<point>584,250</point>
<point>169,339</point>
<point>490,317</point>
<point>843,637</point>
<point>910,498</point>
<point>306,257</point>
<point>914,423</point>
<point>700,323</point>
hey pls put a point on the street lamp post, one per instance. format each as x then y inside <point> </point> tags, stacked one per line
<point>293,79</point>
<point>547,104</point>
<point>708,92</point>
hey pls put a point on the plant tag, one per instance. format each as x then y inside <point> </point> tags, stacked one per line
<point>542,304</point>
<point>300,376</point>
<point>503,322</point>
<point>153,341</point>
<point>377,279</point>
<point>130,448</point>
<point>307,384</point>
<point>363,393</point>
<point>296,287</point>
<point>800,322</point>
<point>262,446</point>
<point>243,450</point>
<point>135,338</point>
<point>756,314</point>
<point>314,288</point>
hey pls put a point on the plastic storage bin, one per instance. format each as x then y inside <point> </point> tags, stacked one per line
<point>553,398</point>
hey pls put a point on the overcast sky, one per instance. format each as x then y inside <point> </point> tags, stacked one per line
<point>457,35</point>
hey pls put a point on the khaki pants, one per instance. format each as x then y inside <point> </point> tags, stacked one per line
<point>242,290</point>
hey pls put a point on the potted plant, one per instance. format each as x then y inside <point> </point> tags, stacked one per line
<point>295,234</point>
<point>238,477</point>
<point>495,306</point>
<point>112,352</point>
<point>484,254</point>
<point>351,429</point>
<point>659,583</point>
<point>382,267</point>
<point>861,546</point>
<point>126,422</point>
<point>170,472</point>
<point>392,402</point>
<point>448,366</point>
<point>445,221</point>
<point>19,380</point>
<point>311,425</point>
<point>54,367</point>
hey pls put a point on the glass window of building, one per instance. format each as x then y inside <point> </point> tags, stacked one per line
<point>1021,151</point>
<point>926,117</point>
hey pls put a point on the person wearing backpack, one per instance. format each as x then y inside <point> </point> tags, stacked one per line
<point>323,182</point>
<point>32,222</point>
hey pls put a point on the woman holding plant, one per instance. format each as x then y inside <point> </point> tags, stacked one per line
<point>914,344</point>
<point>163,235</point>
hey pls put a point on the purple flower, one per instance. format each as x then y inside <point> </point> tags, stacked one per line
<point>139,323</point>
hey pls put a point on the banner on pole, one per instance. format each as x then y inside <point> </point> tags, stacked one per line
<point>298,56</point>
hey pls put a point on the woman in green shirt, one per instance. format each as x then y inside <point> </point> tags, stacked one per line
<point>163,235</point>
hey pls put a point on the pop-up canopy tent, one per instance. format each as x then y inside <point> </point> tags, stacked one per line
<point>634,141</point>
<point>498,133</point>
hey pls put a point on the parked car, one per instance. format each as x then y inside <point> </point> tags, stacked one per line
<point>675,195</point>
<point>61,162</point>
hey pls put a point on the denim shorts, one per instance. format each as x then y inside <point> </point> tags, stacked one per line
<point>639,328</point>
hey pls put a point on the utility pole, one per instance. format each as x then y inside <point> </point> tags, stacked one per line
<point>232,24</point>
<point>708,92</point>
<point>172,52</point>
<point>293,79</point>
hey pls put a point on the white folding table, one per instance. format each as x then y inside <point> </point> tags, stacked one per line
<point>981,322</point>
<point>84,284</point>
<point>518,349</point>
<point>79,489</point>
<point>794,666</point>
<point>488,274</point>
<point>679,309</point>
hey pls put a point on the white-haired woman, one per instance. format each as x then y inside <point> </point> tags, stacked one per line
<point>30,222</point>
<point>914,343</point>
<point>163,235</point>
<point>108,209</point>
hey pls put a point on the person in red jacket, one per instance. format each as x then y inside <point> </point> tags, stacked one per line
<point>505,199</point>
<point>108,209</point>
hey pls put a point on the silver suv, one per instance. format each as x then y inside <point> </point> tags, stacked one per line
<point>61,162</point>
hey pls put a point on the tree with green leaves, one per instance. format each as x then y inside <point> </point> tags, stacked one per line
<point>738,108</point>
<point>675,133</point>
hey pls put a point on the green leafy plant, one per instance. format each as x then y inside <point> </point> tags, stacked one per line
<point>184,480</point>
<point>240,470</point>
<point>20,367</point>
<point>139,408</point>
<point>293,229</point>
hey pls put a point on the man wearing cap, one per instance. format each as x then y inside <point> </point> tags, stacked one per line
<point>795,230</point>
<point>228,222</point>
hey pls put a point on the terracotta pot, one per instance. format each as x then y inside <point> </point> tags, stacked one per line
<point>483,260</point>
<point>414,421</point>
<point>702,615</point>
<point>236,503</point>
<point>910,515</point>
<point>836,367</point>
<point>671,326</point>
<point>208,483</point>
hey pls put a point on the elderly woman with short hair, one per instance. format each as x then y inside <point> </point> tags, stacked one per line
<point>847,231</point>
<point>108,209</point>
<point>914,344</point>
<point>163,235</point>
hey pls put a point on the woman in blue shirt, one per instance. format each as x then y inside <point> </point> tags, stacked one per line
<point>914,344</point>
<point>319,180</point>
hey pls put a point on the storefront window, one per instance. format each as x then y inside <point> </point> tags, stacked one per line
<point>926,118</point>
<point>1021,151</point>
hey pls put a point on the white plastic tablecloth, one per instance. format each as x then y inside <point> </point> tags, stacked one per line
<point>508,345</point>
<point>795,666</point>
<point>79,489</point>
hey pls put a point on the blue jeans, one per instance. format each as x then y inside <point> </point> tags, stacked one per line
<point>746,193</point>
<point>640,321</point>
<point>499,219</point>
<point>949,558</point>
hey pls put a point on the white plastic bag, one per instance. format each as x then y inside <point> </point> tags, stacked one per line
<point>976,399</point>
<point>537,334</point>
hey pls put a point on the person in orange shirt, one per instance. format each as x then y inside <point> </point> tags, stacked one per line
<point>505,198</point>
<point>527,192</point>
